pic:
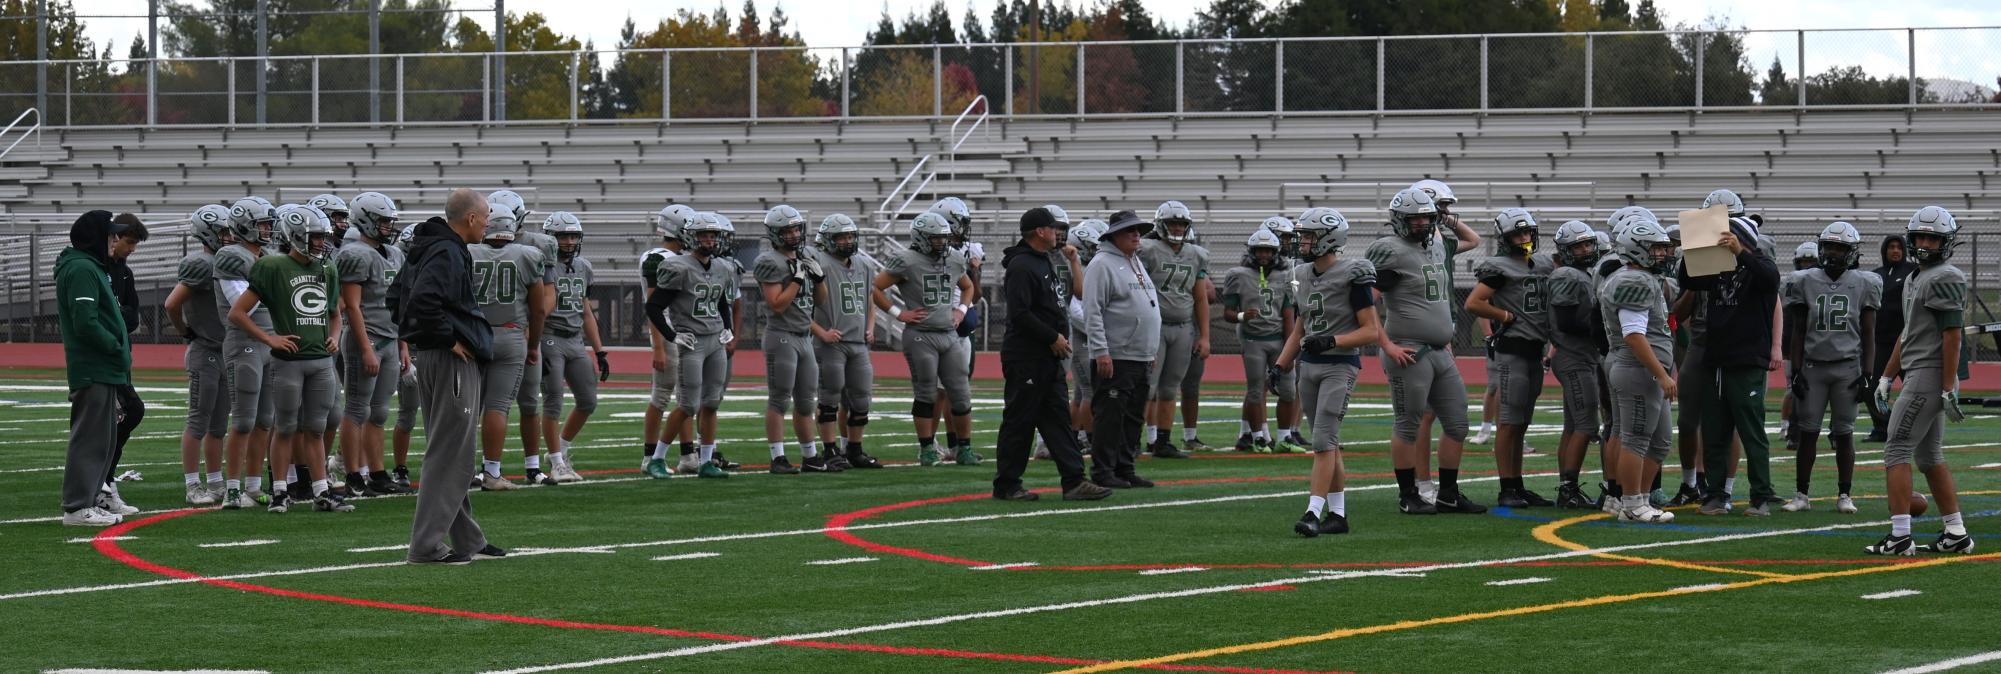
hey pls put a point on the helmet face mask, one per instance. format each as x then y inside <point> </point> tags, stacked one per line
<point>1840,248</point>
<point>376,215</point>
<point>839,236</point>
<point>1577,245</point>
<point>1806,256</point>
<point>305,230</point>
<point>251,218</point>
<point>1173,222</point>
<point>1414,216</point>
<point>785,227</point>
<point>708,242</point>
<point>1516,232</point>
<point>931,234</point>
<point>1934,226</point>
<point>210,225</point>
<point>1646,245</point>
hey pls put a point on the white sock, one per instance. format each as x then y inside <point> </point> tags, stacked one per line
<point>278,486</point>
<point>492,467</point>
<point>1187,433</point>
<point>1689,477</point>
<point>1337,503</point>
<point>1152,434</point>
<point>777,450</point>
<point>1486,427</point>
<point>706,453</point>
<point>1900,525</point>
<point>1288,432</point>
<point>1729,485</point>
<point>1427,486</point>
<point>255,483</point>
<point>232,484</point>
<point>364,472</point>
<point>319,487</point>
<point>660,451</point>
<point>1316,504</point>
<point>533,462</point>
<point>1634,501</point>
<point>1955,524</point>
<point>809,450</point>
<point>1260,434</point>
<point>192,479</point>
<point>566,449</point>
<point>215,477</point>
<point>1243,428</point>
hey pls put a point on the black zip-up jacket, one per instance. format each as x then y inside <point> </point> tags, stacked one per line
<point>1740,305</point>
<point>1890,319</point>
<point>127,289</point>
<point>1036,315</point>
<point>432,299</point>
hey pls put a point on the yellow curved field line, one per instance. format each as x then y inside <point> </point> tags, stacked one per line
<point>1547,534</point>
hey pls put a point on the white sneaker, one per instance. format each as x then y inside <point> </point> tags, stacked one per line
<point>200,496</point>
<point>690,464</point>
<point>1799,503</point>
<point>108,500</point>
<point>1845,505</point>
<point>491,483</point>
<point>1529,451</point>
<point>1645,513</point>
<point>1428,491</point>
<point>566,472</point>
<point>90,517</point>
<point>245,500</point>
<point>1481,438</point>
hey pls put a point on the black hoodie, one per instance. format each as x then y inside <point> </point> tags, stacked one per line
<point>432,299</point>
<point>1890,319</point>
<point>1036,314</point>
<point>1740,304</point>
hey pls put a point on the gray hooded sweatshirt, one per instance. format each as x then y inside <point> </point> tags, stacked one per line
<point>1121,307</point>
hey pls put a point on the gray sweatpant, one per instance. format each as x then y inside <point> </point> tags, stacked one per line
<point>847,377</point>
<point>93,441</point>
<point>368,395</point>
<point>1431,382</point>
<point>247,363</point>
<point>565,361</point>
<point>704,373</point>
<point>1578,378</point>
<point>1259,355</point>
<point>501,377</point>
<point>1917,421</point>
<point>1177,348</point>
<point>1695,384</point>
<point>1518,381</point>
<point>939,359</point>
<point>1325,387</point>
<point>1830,389</point>
<point>1643,418</point>
<point>208,399</point>
<point>1081,367</point>
<point>302,393</point>
<point>791,372</point>
<point>450,390</point>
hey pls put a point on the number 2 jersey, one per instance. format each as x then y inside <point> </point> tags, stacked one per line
<point>573,286</point>
<point>1327,302</point>
<point>1417,290</point>
<point>927,282</point>
<point>1521,288</point>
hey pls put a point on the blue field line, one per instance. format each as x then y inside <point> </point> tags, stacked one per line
<point>1514,514</point>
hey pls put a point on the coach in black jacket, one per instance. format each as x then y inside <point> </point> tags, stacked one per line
<point>1738,345</point>
<point>1032,361</point>
<point>433,303</point>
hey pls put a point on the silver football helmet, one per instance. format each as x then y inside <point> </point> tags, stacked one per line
<point>251,220</point>
<point>299,224</point>
<point>210,225</point>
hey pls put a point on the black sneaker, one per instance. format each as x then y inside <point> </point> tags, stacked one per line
<point>1453,502</point>
<point>301,492</point>
<point>835,461</point>
<point>537,478</point>
<point>723,463</point>
<point>1112,482</point>
<point>453,559</point>
<point>1571,497</point>
<point>1167,450</point>
<point>1949,544</point>
<point>281,500</point>
<point>1308,525</point>
<point>1510,498</point>
<point>861,459</point>
<point>403,478</point>
<point>1018,494</point>
<point>1534,500</point>
<point>491,551</point>
<point>812,464</point>
<point>330,501</point>
<point>1878,435</point>
<point>1137,482</point>
<point>1333,524</point>
<point>1412,504</point>
<point>783,466</point>
<point>1687,495</point>
<point>358,486</point>
<point>1244,443</point>
<point>381,483</point>
<point>1893,545</point>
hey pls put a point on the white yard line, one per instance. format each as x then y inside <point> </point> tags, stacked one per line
<point>1954,663</point>
<point>1893,594</point>
<point>238,544</point>
<point>1178,569</point>
<point>691,555</point>
<point>1517,581</point>
<point>843,560</point>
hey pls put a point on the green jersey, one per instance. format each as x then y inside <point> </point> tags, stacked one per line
<point>772,266</point>
<point>1833,329</point>
<point>1174,273</point>
<point>1416,283</point>
<point>300,298</point>
<point>1934,301</point>
<point>573,286</point>
<point>927,282</point>
<point>1635,290</point>
<point>1250,288</point>
<point>502,276</point>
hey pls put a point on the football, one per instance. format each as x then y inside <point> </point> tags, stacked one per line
<point>1919,504</point>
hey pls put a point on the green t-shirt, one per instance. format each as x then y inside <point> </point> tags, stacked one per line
<point>301,298</point>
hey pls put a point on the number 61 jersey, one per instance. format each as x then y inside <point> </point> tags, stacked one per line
<point>1417,289</point>
<point>927,282</point>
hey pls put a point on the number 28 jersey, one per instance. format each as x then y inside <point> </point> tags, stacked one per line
<point>699,292</point>
<point>1417,290</point>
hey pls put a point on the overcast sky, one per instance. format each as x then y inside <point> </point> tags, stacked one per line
<point>1972,55</point>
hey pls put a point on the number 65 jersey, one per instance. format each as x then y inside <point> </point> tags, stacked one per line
<point>1833,328</point>
<point>1417,289</point>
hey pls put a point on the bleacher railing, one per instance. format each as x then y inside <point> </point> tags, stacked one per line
<point>1904,68</point>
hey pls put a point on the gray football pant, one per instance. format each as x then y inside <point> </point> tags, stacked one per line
<point>501,377</point>
<point>248,366</point>
<point>1326,387</point>
<point>1081,367</point>
<point>1829,385</point>
<point>1695,385</point>
<point>664,381</point>
<point>1518,382</point>
<point>791,372</point>
<point>565,361</point>
<point>1643,417</point>
<point>1578,377</point>
<point>528,393</point>
<point>1430,382</point>
<point>93,441</point>
<point>407,401</point>
<point>1259,355</point>
<point>302,393</point>
<point>450,391</point>
<point>704,372</point>
<point>939,358</point>
<point>1170,371</point>
<point>847,376</point>
<point>1917,421</point>
<point>368,394</point>
<point>208,401</point>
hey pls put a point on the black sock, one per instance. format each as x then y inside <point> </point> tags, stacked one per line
<point>402,467</point>
<point>1612,488</point>
<point>1570,478</point>
<point>854,447</point>
<point>687,448</point>
<point>1657,480</point>
<point>927,443</point>
<point>1514,483</point>
<point>646,450</point>
<point>1406,481</point>
<point>1448,480</point>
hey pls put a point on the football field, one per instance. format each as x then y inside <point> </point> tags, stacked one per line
<point>912,569</point>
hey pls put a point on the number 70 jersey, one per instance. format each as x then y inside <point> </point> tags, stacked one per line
<point>502,276</point>
<point>1417,290</point>
<point>1833,329</point>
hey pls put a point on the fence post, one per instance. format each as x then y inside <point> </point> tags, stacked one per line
<point>1801,43</point>
<point>1278,76</point>
<point>400,87</point>
<point>846,74</point>
<point>937,81</point>
<point>576,88</point>
<point>153,88</point>
<point>1180,77</point>
<point>230,68</point>
<point>263,57</point>
<point>1590,62</point>
<point>753,83</point>
<point>486,88</point>
<point>316,91</point>
<point>374,62</point>
<point>1484,67</point>
<point>1007,73</point>
<point>666,84</point>
<point>1080,80</point>
<point>1380,50</point>
<point>42,61</point>
<point>1701,55</point>
<point>1911,61</point>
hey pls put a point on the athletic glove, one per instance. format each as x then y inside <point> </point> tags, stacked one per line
<point>1272,375</point>
<point>1883,393</point>
<point>812,268</point>
<point>604,366</point>
<point>685,340</point>
<point>726,336</point>
<point>1798,384</point>
<point>1864,383</point>
<point>1317,344</point>
<point>1952,411</point>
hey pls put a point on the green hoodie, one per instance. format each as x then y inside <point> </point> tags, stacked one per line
<point>95,345</point>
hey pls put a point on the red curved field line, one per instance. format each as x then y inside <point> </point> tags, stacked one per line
<point>106,544</point>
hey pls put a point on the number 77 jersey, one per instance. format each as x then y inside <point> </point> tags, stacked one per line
<point>1833,310</point>
<point>1417,290</point>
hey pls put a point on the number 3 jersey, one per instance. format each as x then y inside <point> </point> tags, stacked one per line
<point>502,276</point>
<point>927,282</point>
<point>1833,310</point>
<point>1174,273</point>
<point>849,287</point>
<point>1417,290</point>
<point>699,291</point>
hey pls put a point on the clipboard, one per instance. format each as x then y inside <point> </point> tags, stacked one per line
<point>1701,255</point>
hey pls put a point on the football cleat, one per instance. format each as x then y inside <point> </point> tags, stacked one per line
<point>1166,450</point>
<point>200,496</point>
<point>1718,504</point>
<point>862,460</point>
<point>1949,544</point>
<point>403,478</point>
<point>690,463</point>
<point>1799,502</point>
<point>928,455</point>
<point>1451,502</point>
<point>836,462</point>
<point>1332,524</point>
<point>1845,505</point>
<point>112,503</point>
<point>1687,495</point>
<point>657,469</point>
<point>1893,545</point>
<point>1535,500</point>
<point>1645,513</point>
<point>280,502</point>
<point>1483,437</point>
<point>537,478</point>
<point>1509,499</point>
<point>256,498</point>
<point>1308,525</point>
<point>1244,443</point>
<point>712,471</point>
<point>330,502</point>
<point>1292,442</point>
<point>1571,497</point>
<point>967,457</point>
<point>724,463</point>
<point>1196,445</point>
<point>1414,504</point>
<point>491,483</point>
